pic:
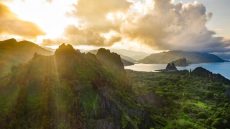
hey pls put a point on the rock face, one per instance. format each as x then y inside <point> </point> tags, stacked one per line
<point>171,67</point>
<point>199,71</point>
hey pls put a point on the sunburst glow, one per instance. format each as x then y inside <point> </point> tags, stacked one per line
<point>52,17</point>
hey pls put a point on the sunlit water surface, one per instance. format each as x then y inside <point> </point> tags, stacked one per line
<point>222,68</point>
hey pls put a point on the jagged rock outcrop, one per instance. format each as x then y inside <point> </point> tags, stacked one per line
<point>66,49</point>
<point>112,60</point>
<point>171,67</point>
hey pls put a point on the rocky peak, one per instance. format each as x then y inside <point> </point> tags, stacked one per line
<point>171,67</point>
<point>9,42</point>
<point>110,58</point>
<point>66,49</point>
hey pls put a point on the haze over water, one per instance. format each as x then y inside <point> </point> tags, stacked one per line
<point>221,68</point>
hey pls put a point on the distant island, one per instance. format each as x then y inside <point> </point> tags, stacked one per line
<point>181,58</point>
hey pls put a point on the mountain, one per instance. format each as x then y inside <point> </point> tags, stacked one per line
<point>69,90</point>
<point>225,56</point>
<point>74,90</point>
<point>191,57</point>
<point>126,60</point>
<point>171,67</point>
<point>13,53</point>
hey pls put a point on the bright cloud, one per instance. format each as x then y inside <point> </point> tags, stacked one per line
<point>174,26</point>
<point>158,24</point>
<point>11,24</point>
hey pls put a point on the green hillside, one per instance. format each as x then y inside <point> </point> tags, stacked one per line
<point>13,53</point>
<point>71,90</point>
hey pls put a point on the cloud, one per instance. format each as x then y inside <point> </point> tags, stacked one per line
<point>96,27</point>
<point>84,36</point>
<point>174,26</point>
<point>94,12</point>
<point>87,36</point>
<point>160,24</point>
<point>11,24</point>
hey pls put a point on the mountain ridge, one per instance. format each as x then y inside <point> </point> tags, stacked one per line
<point>14,53</point>
<point>191,57</point>
<point>75,90</point>
<point>125,59</point>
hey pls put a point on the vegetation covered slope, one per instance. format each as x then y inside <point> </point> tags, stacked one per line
<point>71,90</point>
<point>14,53</point>
<point>191,57</point>
<point>196,100</point>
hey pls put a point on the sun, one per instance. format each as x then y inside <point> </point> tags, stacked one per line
<point>50,16</point>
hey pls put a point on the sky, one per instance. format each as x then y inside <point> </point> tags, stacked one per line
<point>220,21</point>
<point>141,25</point>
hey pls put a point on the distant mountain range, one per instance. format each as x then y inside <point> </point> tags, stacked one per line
<point>14,53</point>
<point>191,57</point>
